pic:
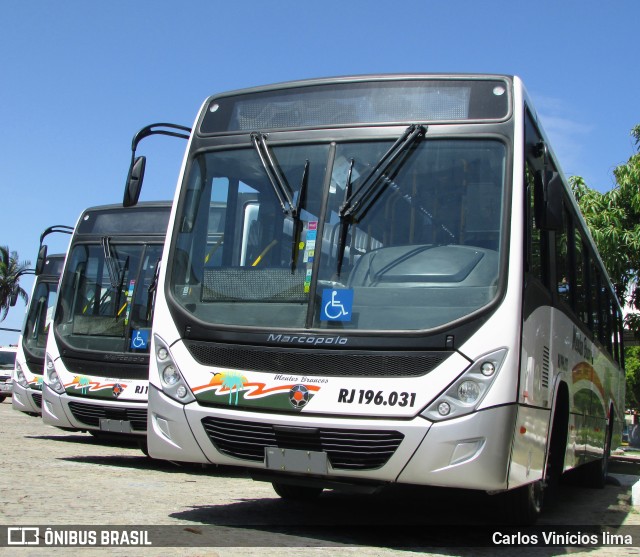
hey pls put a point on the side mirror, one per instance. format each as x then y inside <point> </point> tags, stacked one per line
<point>134,182</point>
<point>136,169</point>
<point>42,258</point>
<point>548,200</point>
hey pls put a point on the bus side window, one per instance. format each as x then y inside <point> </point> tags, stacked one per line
<point>580,293</point>
<point>537,248</point>
<point>535,252</point>
<point>563,279</point>
<point>594,287</point>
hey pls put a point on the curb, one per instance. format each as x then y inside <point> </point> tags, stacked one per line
<point>628,480</point>
<point>635,494</point>
<point>632,464</point>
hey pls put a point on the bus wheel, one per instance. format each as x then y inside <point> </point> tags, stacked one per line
<point>523,504</point>
<point>142,445</point>
<point>296,492</point>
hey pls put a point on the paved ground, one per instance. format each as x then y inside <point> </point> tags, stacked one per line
<point>49,477</point>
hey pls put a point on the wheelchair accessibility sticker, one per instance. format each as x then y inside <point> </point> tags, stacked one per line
<point>140,339</point>
<point>336,305</point>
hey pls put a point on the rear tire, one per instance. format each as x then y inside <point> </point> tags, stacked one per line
<point>296,492</point>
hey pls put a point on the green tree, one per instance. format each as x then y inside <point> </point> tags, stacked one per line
<point>10,272</point>
<point>613,218</point>
<point>632,372</point>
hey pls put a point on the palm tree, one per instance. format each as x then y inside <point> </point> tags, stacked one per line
<point>10,272</point>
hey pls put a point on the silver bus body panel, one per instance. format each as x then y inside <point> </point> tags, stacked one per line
<point>53,411</point>
<point>22,399</point>
<point>470,452</point>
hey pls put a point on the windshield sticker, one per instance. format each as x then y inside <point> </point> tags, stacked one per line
<point>310,250</point>
<point>132,286</point>
<point>140,339</point>
<point>310,246</point>
<point>337,304</point>
<point>307,281</point>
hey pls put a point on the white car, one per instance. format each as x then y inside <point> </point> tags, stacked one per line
<point>7,363</point>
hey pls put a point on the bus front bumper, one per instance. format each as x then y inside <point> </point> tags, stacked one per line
<point>90,414</point>
<point>26,400</point>
<point>470,452</point>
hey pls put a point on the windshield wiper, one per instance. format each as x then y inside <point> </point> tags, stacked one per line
<point>151,292</point>
<point>283,191</point>
<point>278,181</point>
<point>356,204</point>
<point>112,265</point>
<point>376,181</point>
<point>116,274</point>
<point>297,221</point>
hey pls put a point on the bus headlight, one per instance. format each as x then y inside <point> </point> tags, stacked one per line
<point>53,379</point>
<point>171,380</point>
<point>20,378</point>
<point>170,375</point>
<point>465,394</point>
<point>468,392</point>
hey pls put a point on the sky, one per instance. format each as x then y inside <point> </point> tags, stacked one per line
<point>79,78</point>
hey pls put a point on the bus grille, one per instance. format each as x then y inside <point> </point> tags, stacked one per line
<point>347,449</point>
<point>37,399</point>
<point>310,362</point>
<point>129,366</point>
<point>90,414</point>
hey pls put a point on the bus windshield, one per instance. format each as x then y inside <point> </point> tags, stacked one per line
<point>324,236</point>
<point>105,297</point>
<point>39,317</point>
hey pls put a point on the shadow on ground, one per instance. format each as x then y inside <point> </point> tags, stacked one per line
<point>416,519</point>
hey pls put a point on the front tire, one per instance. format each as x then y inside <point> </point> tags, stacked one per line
<point>523,505</point>
<point>144,447</point>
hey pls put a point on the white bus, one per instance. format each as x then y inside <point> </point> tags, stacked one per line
<point>404,291</point>
<point>7,364</point>
<point>27,380</point>
<point>97,354</point>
